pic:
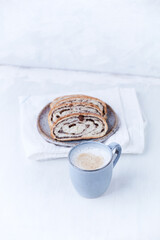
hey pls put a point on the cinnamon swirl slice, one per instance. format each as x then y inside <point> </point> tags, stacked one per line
<point>69,99</point>
<point>79,126</point>
<point>66,109</point>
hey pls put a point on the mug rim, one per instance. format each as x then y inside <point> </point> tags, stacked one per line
<point>85,170</point>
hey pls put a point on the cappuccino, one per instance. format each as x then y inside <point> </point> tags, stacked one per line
<point>91,158</point>
<point>91,165</point>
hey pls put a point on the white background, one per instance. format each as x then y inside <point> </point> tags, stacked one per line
<point>37,200</point>
<point>120,36</point>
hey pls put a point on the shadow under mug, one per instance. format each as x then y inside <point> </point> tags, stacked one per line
<point>93,183</point>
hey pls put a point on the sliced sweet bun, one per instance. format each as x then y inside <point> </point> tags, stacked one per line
<point>79,126</point>
<point>80,98</point>
<point>66,109</point>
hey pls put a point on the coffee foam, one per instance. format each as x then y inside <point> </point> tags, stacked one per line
<point>90,158</point>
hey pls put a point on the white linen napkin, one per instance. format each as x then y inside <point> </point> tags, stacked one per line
<point>124,101</point>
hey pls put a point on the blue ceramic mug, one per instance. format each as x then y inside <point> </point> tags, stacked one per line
<point>93,183</point>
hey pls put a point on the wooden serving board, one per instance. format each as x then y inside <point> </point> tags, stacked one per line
<point>44,130</point>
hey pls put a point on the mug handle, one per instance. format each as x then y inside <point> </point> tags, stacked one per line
<point>117,153</point>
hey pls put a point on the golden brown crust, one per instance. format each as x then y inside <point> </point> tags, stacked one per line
<point>50,123</point>
<point>78,114</point>
<point>60,100</point>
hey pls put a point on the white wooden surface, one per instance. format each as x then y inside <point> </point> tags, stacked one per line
<point>37,200</point>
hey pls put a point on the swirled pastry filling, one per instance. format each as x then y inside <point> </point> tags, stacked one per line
<point>79,126</point>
